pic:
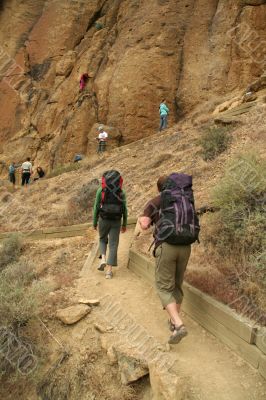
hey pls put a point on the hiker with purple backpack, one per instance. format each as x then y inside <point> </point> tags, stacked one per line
<point>173,214</point>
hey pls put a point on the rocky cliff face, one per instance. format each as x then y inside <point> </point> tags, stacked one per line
<point>136,53</point>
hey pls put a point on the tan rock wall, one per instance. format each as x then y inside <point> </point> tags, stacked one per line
<point>190,52</point>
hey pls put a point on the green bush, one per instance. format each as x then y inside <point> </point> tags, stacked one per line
<point>10,250</point>
<point>214,141</point>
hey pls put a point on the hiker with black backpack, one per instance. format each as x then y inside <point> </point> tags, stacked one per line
<point>110,213</point>
<point>176,228</point>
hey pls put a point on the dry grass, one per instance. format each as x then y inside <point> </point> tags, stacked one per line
<point>20,294</point>
<point>87,374</point>
<point>62,169</point>
<point>10,250</point>
<point>235,236</point>
<point>214,141</point>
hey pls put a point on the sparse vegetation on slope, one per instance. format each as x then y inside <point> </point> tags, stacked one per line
<point>237,231</point>
<point>62,169</point>
<point>20,294</point>
<point>10,250</point>
<point>214,141</point>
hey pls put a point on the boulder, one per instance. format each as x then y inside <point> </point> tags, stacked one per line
<point>227,105</point>
<point>131,364</point>
<point>253,2</point>
<point>73,314</point>
<point>258,85</point>
<point>166,385</point>
<point>249,96</point>
<point>102,328</point>
<point>111,354</point>
<point>92,302</point>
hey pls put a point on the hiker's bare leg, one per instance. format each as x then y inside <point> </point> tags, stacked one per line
<point>174,314</point>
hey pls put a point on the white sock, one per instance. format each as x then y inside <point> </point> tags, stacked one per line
<point>103,258</point>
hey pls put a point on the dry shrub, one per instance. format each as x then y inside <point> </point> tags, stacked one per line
<point>214,141</point>
<point>79,207</point>
<point>213,284</point>
<point>63,279</point>
<point>236,232</point>
<point>87,375</point>
<point>10,250</point>
<point>86,195</point>
<point>20,294</point>
<point>160,160</point>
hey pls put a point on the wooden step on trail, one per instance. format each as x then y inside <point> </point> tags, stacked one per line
<point>59,232</point>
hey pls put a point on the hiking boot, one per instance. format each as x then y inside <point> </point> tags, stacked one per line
<point>101,266</point>
<point>109,275</point>
<point>179,333</point>
<point>171,325</point>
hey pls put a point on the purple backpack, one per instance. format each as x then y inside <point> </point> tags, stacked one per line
<point>178,223</point>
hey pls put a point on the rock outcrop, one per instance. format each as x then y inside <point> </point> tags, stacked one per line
<point>136,53</point>
<point>73,314</point>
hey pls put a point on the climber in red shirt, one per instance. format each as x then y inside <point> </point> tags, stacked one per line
<point>83,81</point>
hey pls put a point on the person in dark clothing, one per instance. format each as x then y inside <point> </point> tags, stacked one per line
<point>40,173</point>
<point>12,173</point>
<point>78,157</point>
<point>26,172</point>
<point>111,222</point>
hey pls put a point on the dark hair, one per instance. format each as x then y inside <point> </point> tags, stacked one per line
<point>28,158</point>
<point>161,181</point>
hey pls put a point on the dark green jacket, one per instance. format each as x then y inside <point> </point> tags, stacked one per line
<point>97,203</point>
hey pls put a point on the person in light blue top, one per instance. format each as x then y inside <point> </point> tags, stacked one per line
<point>164,111</point>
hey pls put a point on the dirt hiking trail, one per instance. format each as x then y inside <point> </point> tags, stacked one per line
<point>207,368</point>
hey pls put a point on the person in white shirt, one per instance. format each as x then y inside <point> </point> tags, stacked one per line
<point>26,171</point>
<point>102,139</point>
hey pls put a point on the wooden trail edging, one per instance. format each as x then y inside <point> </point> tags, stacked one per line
<point>59,232</point>
<point>236,332</point>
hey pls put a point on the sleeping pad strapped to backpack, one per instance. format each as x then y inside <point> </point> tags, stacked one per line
<point>112,197</point>
<point>178,223</point>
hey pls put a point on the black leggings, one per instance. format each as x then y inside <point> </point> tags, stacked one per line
<point>12,178</point>
<point>25,178</point>
<point>102,147</point>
